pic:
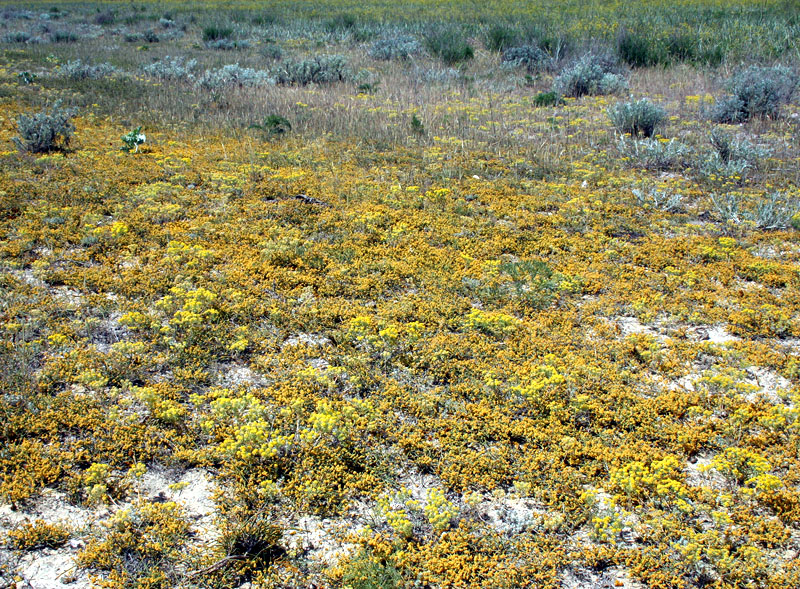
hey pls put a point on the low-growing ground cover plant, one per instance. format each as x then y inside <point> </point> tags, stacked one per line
<point>405,324</point>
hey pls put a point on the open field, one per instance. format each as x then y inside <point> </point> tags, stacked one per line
<point>371,295</point>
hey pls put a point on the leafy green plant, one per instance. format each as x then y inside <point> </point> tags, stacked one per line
<point>340,22</point>
<point>133,139</point>
<point>64,37</point>
<point>275,125</point>
<point>215,33</point>
<point>26,78</point>
<point>366,571</point>
<point>638,50</point>
<point>449,44</point>
<point>45,131</point>
<point>416,125</point>
<point>500,37</point>
<point>547,99</point>
<point>637,117</point>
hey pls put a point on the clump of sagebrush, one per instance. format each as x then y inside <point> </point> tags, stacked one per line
<point>532,57</point>
<point>171,68</point>
<point>777,210</point>
<point>435,75</point>
<point>227,44</point>
<point>661,199</point>
<point>45,131</point>
<point>271,51</point>
<point>755,92</point>
<point>637,117</point>
<point>233,75</point>
<point>38,534</point>
<point>321,69</point>
<point>76,70</point>
<point>449,44</point>
<point>730,148</point>
<point>391,48</point>
<point>19,37</point>
<point>653,154</point>
<point>592,74</point>
<point>731,158</point>
<point>773,211</point>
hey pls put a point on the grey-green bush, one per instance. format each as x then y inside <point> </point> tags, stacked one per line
<point>660,199</point>
<point>653,154</point>
<point>45,131</point>
<point>391,48</point>
<point>592,74</point>
<point>77,70</point>
<point>530,56</point>
<point>755,92</point>
<point>637,117</point>
<point>322,69</point>
<point>772,212</point>
<point>730,148</point>
<point>227,44</point>
<point>171,68</point>
<point>732,158</point>
<point>233,75</point>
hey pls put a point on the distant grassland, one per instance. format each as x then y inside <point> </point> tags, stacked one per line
<point>768,29</point>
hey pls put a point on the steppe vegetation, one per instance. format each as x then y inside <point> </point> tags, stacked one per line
<point>420,294</point>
